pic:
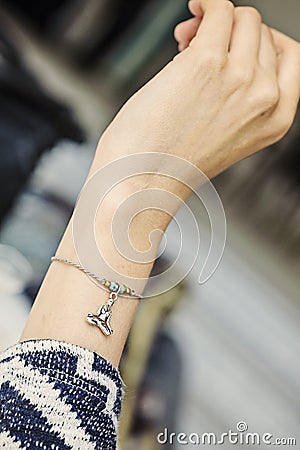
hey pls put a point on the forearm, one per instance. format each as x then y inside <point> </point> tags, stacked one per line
<point>226,96</point>
<point>67,295</point>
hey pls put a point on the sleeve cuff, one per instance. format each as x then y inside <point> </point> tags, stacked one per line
<point>73,390</point>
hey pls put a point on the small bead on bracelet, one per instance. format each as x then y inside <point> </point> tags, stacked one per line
<point>102,317</point>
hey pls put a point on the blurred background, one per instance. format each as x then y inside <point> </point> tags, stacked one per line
<point>216,354</point>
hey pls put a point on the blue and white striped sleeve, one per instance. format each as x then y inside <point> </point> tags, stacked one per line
<point>55,395</point>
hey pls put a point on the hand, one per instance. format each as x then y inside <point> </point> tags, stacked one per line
<point>227,95</point>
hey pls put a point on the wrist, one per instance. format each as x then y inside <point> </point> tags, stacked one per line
<point>129,228</point>
<point>137,207</point>
<point>157,172</point>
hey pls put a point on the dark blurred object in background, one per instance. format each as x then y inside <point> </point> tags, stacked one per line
<point>264,192</point>
<point>91,25</point>
<point>122,41</point>
<point>88,29</point>
<point>157,397</point>
<point>30,123</point>
<point>39,13</point>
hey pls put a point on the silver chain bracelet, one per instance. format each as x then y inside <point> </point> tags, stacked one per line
<point>102,317</point>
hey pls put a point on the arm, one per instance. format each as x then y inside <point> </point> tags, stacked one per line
<point>224,97</point>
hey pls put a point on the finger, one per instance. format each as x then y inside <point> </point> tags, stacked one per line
<point>282,41</point>
<point>195,8</point>
<point>186,31</point>
<point>246,36</point>
<point>267,51</point>
<point>288,69</point>
<point>215,29</point>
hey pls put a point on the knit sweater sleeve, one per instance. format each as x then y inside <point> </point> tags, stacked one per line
<point>55,395</point>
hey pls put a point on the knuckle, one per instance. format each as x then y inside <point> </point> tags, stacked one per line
<point>269,96</point>
<point>241,77</point>
<point>250,12</point>
<point>228,7</point>
<point>283,124</point>
<point>213,60</point>
<point>267,93</point>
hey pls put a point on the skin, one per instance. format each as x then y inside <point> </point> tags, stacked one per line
<point>227,94</point>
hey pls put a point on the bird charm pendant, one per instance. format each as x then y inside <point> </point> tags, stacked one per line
<point>102,317</point>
